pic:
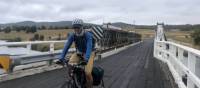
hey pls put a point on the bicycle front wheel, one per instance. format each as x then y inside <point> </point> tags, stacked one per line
<point>71,84</point>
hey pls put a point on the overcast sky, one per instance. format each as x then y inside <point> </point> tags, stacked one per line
<point>98,11</point>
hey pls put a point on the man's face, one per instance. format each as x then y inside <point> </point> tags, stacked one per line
<point>78,30</point>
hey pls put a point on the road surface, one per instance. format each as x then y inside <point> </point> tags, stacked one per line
<point>134,67</point>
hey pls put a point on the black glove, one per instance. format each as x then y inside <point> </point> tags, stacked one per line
<point>60,62</point>
<point>83,63</point>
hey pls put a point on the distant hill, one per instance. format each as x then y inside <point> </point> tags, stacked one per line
<point>168,27</point>
<point>122,25</point>
<point>126,26</point>
<point>39,24</point>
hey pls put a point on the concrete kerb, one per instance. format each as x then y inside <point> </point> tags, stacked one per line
<point>112,52</point>
<point>44,68</point>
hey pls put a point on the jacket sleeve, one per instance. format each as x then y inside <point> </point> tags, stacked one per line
<point>69,42</point>
<point>89,45</point>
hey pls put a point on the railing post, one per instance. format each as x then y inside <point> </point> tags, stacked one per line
<point>163,53</point>
<point>51,50</point>
<point>28,46</point>
<point>181,59</point>
<point>51,47</point>
<point>155,48</point>
<point>172,50</point>
<point>191,66</point>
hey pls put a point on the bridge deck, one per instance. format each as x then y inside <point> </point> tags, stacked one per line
<point>134,67</point>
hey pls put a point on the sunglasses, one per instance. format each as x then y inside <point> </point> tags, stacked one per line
<point>76,27</point>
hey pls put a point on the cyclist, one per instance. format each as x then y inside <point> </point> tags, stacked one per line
<point>84,47</point>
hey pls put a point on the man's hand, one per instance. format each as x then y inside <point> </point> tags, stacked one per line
<point>83,62</point>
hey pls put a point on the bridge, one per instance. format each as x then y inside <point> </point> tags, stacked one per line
<point>151,63</point>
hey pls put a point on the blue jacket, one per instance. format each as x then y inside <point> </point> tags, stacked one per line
<point>83,44</point>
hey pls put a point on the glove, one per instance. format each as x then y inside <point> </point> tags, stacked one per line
<point>83,63</point>
<point>60,62</point>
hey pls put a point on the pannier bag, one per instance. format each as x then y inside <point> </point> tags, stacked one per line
<point>97,73</point>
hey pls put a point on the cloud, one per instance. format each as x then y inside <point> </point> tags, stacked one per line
<point>97,11</point>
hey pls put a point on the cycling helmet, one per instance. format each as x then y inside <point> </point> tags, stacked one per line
<point>77,25</point>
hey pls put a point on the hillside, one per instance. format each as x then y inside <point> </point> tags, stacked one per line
<point>39,24</point>
<point>182,27</point>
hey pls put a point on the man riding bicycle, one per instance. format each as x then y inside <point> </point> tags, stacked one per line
<point>84,47</point>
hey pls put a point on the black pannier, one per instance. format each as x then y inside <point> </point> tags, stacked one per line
<point>97,73</point>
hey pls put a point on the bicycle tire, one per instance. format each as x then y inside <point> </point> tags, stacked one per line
<point>68,84</point>
<point>79,82</point>
<point>102,84</point>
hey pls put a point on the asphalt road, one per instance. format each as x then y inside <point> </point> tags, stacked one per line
<point>134,67</point>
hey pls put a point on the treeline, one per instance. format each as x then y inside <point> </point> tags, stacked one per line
<point>37,37</point>
<point>29,29</point>
<point>186,27</point>
<point>145,26</point>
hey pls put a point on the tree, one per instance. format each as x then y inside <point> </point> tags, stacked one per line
<point>23,28</point>
<point>18,29</point>
<point>28,29</point>
<point>7,30</point>
<point>41,37</point>
<point>49,37</point>
<point>66,27</point>
<point>36,37</point>
<point>50,27</point>
<point>196,36</point>
<point>59,36</point>
<point>43,27</point>
<point>56,27</point>
<point>33,29</point>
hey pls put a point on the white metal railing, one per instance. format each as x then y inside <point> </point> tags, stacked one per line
<point>183,62</point>
<point>29,44</point>
<point>36,57</point>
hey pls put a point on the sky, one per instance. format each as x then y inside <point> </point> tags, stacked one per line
<point>99,11</point>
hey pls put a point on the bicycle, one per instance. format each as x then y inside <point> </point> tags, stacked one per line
<point>77,78</point>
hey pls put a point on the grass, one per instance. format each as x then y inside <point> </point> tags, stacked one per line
<point>146,33</point>
<point>27,36</point>
<point>47,33</point>
<point>181,37</point>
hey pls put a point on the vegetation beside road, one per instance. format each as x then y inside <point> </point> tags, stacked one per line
<point>48,34</point>
<point>188,38</point>
<point>40,35</point>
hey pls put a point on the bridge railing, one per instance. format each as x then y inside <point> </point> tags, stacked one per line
<point>29,58</point>
<point>29,44</point>
<point>183,62</point>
